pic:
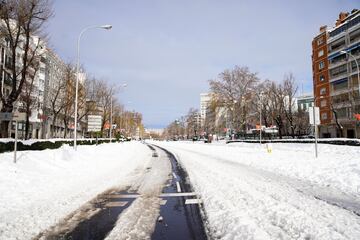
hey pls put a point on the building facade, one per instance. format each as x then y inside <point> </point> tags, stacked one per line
<point>31,100</point>
<point>205,100</point>
<point>335,76</point>
<point>305,101</point>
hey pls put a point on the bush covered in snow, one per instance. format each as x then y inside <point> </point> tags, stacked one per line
<point>7,146</point>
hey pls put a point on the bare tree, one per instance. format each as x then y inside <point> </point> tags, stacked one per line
<point>232,87</point>
<point>20,20</point>
<point>277,106</point>
<point>289,91</point>
<point>58,98</point>
<point>335,113</point>
<point>68,99</point>
<point>192,123</point>
<point>263,98</point>
<point>27,97</point>
<point>302,122</point>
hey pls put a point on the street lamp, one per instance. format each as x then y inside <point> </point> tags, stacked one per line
<point>358,78</point>
<point>106,27</point>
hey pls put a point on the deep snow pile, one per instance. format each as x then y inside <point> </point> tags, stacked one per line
<point>249,193</point>
<point>45,186</point>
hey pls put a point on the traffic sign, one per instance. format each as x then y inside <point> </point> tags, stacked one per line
<point>94,123</point>
<point>311,116</point>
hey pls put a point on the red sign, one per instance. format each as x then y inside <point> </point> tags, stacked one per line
<point>357,116</point>
<point>107,125</point>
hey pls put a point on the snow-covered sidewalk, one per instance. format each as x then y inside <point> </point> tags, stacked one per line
<point>45,186</point>
<point>249,193</point>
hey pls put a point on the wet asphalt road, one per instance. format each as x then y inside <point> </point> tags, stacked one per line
<point>180,220</point>
<point>96,219</point>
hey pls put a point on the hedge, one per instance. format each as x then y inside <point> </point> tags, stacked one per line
<point>347,142</point>
<point>42,145</point>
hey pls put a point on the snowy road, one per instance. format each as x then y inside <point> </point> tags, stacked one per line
<point>243,201</point>
<point>157,191</point>
<point>246,192</point>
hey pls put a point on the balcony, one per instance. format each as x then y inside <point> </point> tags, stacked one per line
<point>336,63</point>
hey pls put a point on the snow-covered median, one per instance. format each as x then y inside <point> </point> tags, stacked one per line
<point>45,186</point>
<point>249,193</point>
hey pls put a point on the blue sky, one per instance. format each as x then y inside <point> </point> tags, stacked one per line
<point>167,50</point>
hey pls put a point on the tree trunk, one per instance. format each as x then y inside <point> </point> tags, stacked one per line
<point>27,122</point>
<point>280,127</point>
<point>7,108</point>
<point>52,129</point>
<point>65,128</point>
<point>339,127</point>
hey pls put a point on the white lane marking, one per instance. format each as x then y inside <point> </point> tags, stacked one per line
<point>163,202</point>
<point>174,175</point>
<point>178,187</point>
<point>182,194</point>
<point>193,201</point>
<point>124,196</point>
<point>116,204</point>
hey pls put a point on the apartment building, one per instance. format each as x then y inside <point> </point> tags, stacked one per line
<point>32,95</point>
<point>53,97</point>
<point>205,99</point>
<point>335,76</point>
<point>320,67</point>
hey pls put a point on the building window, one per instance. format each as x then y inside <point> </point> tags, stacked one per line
<point>321,53</point>
<point>323,103</point>
<point>322,91</point>
<point>322,78</point>
<point>321,65</point>
<point>320,41</point>
<point>338,70</point>
<point>340,85</point>
<point>324,116</point>
<point>337,45</point>
<point>341,113</point>
<point>354,35</point>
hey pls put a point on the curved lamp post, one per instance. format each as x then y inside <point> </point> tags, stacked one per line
<point>106,27</point>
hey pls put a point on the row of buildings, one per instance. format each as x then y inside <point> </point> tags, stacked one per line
<point>335,58</point>
<point>336,84</point>
<point>222,115</point>
<point>40,87</point>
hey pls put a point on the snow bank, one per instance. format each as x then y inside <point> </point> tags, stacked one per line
<point>247,192</point>
<point>31,141</point>
<point>335,141</point>
<point>45,186</point>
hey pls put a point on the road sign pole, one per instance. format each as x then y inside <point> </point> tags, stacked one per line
<point>315,132</point>
<point>16,139</point>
